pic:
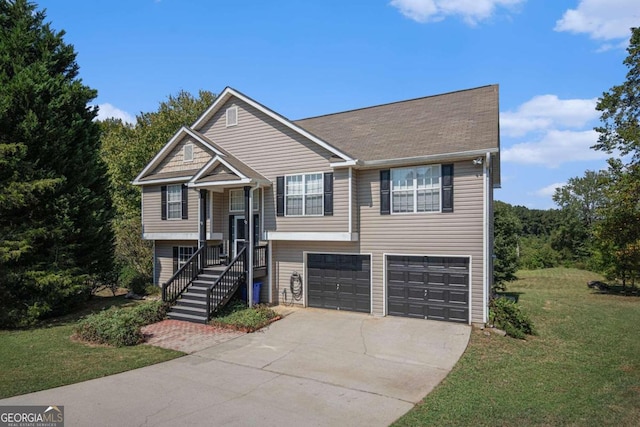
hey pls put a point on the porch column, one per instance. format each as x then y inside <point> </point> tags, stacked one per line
<point>248,233</point>
<point>202,226</point>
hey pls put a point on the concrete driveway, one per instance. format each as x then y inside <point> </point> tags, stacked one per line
<point>314,367</point>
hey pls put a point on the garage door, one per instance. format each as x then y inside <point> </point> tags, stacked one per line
<point>428,287</point>
<point>339,282</point>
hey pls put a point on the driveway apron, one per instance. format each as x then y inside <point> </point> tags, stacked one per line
<point>312,368</point>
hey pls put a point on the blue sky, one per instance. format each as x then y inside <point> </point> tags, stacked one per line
<point>551,58</point>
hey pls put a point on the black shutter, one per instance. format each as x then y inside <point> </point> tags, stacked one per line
<point>185,201</point>
<point>328,193</point>
<point>163,204</point>
<point>232,224</point>
<point>280,196</point>
<point>175,259</point>
<point>447,188</point>
<point>385,192</point>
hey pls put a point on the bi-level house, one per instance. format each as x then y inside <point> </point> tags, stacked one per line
<point>384,210</point>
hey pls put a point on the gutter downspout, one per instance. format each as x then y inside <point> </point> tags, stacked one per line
<point>486,249</point>
<point>350,201</point>
<point>248,210</point>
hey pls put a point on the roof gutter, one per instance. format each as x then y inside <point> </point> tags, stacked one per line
<point>426,159</point>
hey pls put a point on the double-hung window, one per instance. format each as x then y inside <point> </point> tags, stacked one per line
<point>415,189</point>
<point>304,194</point>
<point>184,253</point>
<point>236,201</point>
<point>174,201</point>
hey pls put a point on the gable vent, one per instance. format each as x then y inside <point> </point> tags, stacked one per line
<point>232,116</point>
<point>188,152</point>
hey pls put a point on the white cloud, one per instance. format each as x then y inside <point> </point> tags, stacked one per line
<point>549,190</point>
<point>472,11</point>
<point>555,148</point>
<point>546,112</point>
<point>601,19</point>
<point>107,111</point>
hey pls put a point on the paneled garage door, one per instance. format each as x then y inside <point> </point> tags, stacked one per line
<point>428,287</point>
<point>340,282</point>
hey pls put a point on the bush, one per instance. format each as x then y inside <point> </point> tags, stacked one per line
<point>508,316</point>
<point>537,253</point>
<point>120,326</point>
<point>246,319</point>
<point>134,281</point>
<point>28,297</point>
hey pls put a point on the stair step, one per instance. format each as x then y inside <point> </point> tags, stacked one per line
<point>198,288</point>
<point>208,277</point>
<point>185,309</point>
<point>189,301</point>
<point>188,317</point>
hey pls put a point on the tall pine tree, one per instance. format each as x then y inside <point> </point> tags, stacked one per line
<point>55,210</point>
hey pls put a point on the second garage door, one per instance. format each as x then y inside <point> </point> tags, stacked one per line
<point>428,287</point>
<point>339,282</point>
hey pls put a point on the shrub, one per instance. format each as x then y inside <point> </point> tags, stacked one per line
<point>134,281</point>
<point>120,326</point>
<point>246,319</point>
<point>508,316</point>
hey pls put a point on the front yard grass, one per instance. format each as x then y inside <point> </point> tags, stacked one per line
<point>45,356</point>
<point>582,369</point>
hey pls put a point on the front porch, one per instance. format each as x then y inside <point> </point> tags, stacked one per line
<point>209,279</point>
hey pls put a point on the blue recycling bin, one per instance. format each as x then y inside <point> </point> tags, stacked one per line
<point>256,292</point>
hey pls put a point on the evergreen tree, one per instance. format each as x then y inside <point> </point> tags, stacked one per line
<point>55,210</point>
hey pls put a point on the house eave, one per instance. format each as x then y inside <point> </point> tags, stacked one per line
<point>161,181</point>
<point>433,158</point>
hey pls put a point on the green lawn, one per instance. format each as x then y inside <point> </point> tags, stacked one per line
<point>582,369</point>
<point>46,356</point>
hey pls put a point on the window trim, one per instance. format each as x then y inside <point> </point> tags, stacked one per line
<point>304,194</point>
<point>184,153</point>
<point>169,202</point>
<point>415,190</point>
<point>181,250</point>
<point>256,204</point>
<point>226,113</point>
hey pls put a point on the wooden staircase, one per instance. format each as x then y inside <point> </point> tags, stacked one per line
<point>192,305</point>
<point>199,292</point>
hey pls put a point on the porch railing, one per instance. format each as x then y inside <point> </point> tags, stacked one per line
<point>223,288</point>
<point>181,279</point>
<point>260,256</point>
<point>205,256</point>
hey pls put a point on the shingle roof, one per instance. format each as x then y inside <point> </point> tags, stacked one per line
<point>454,122</point>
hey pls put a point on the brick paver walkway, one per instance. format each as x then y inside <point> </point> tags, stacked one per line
<point>186,336</point>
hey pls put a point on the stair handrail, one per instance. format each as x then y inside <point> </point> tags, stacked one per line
<point>230,268</point>
<point>182,278</point>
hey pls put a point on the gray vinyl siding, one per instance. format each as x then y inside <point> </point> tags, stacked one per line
<point>273,150</point>
<point>163,259</point>
<point>152,221</point>
<point>457,233</point>
<point>219,219</point>
<point>289,257</point>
